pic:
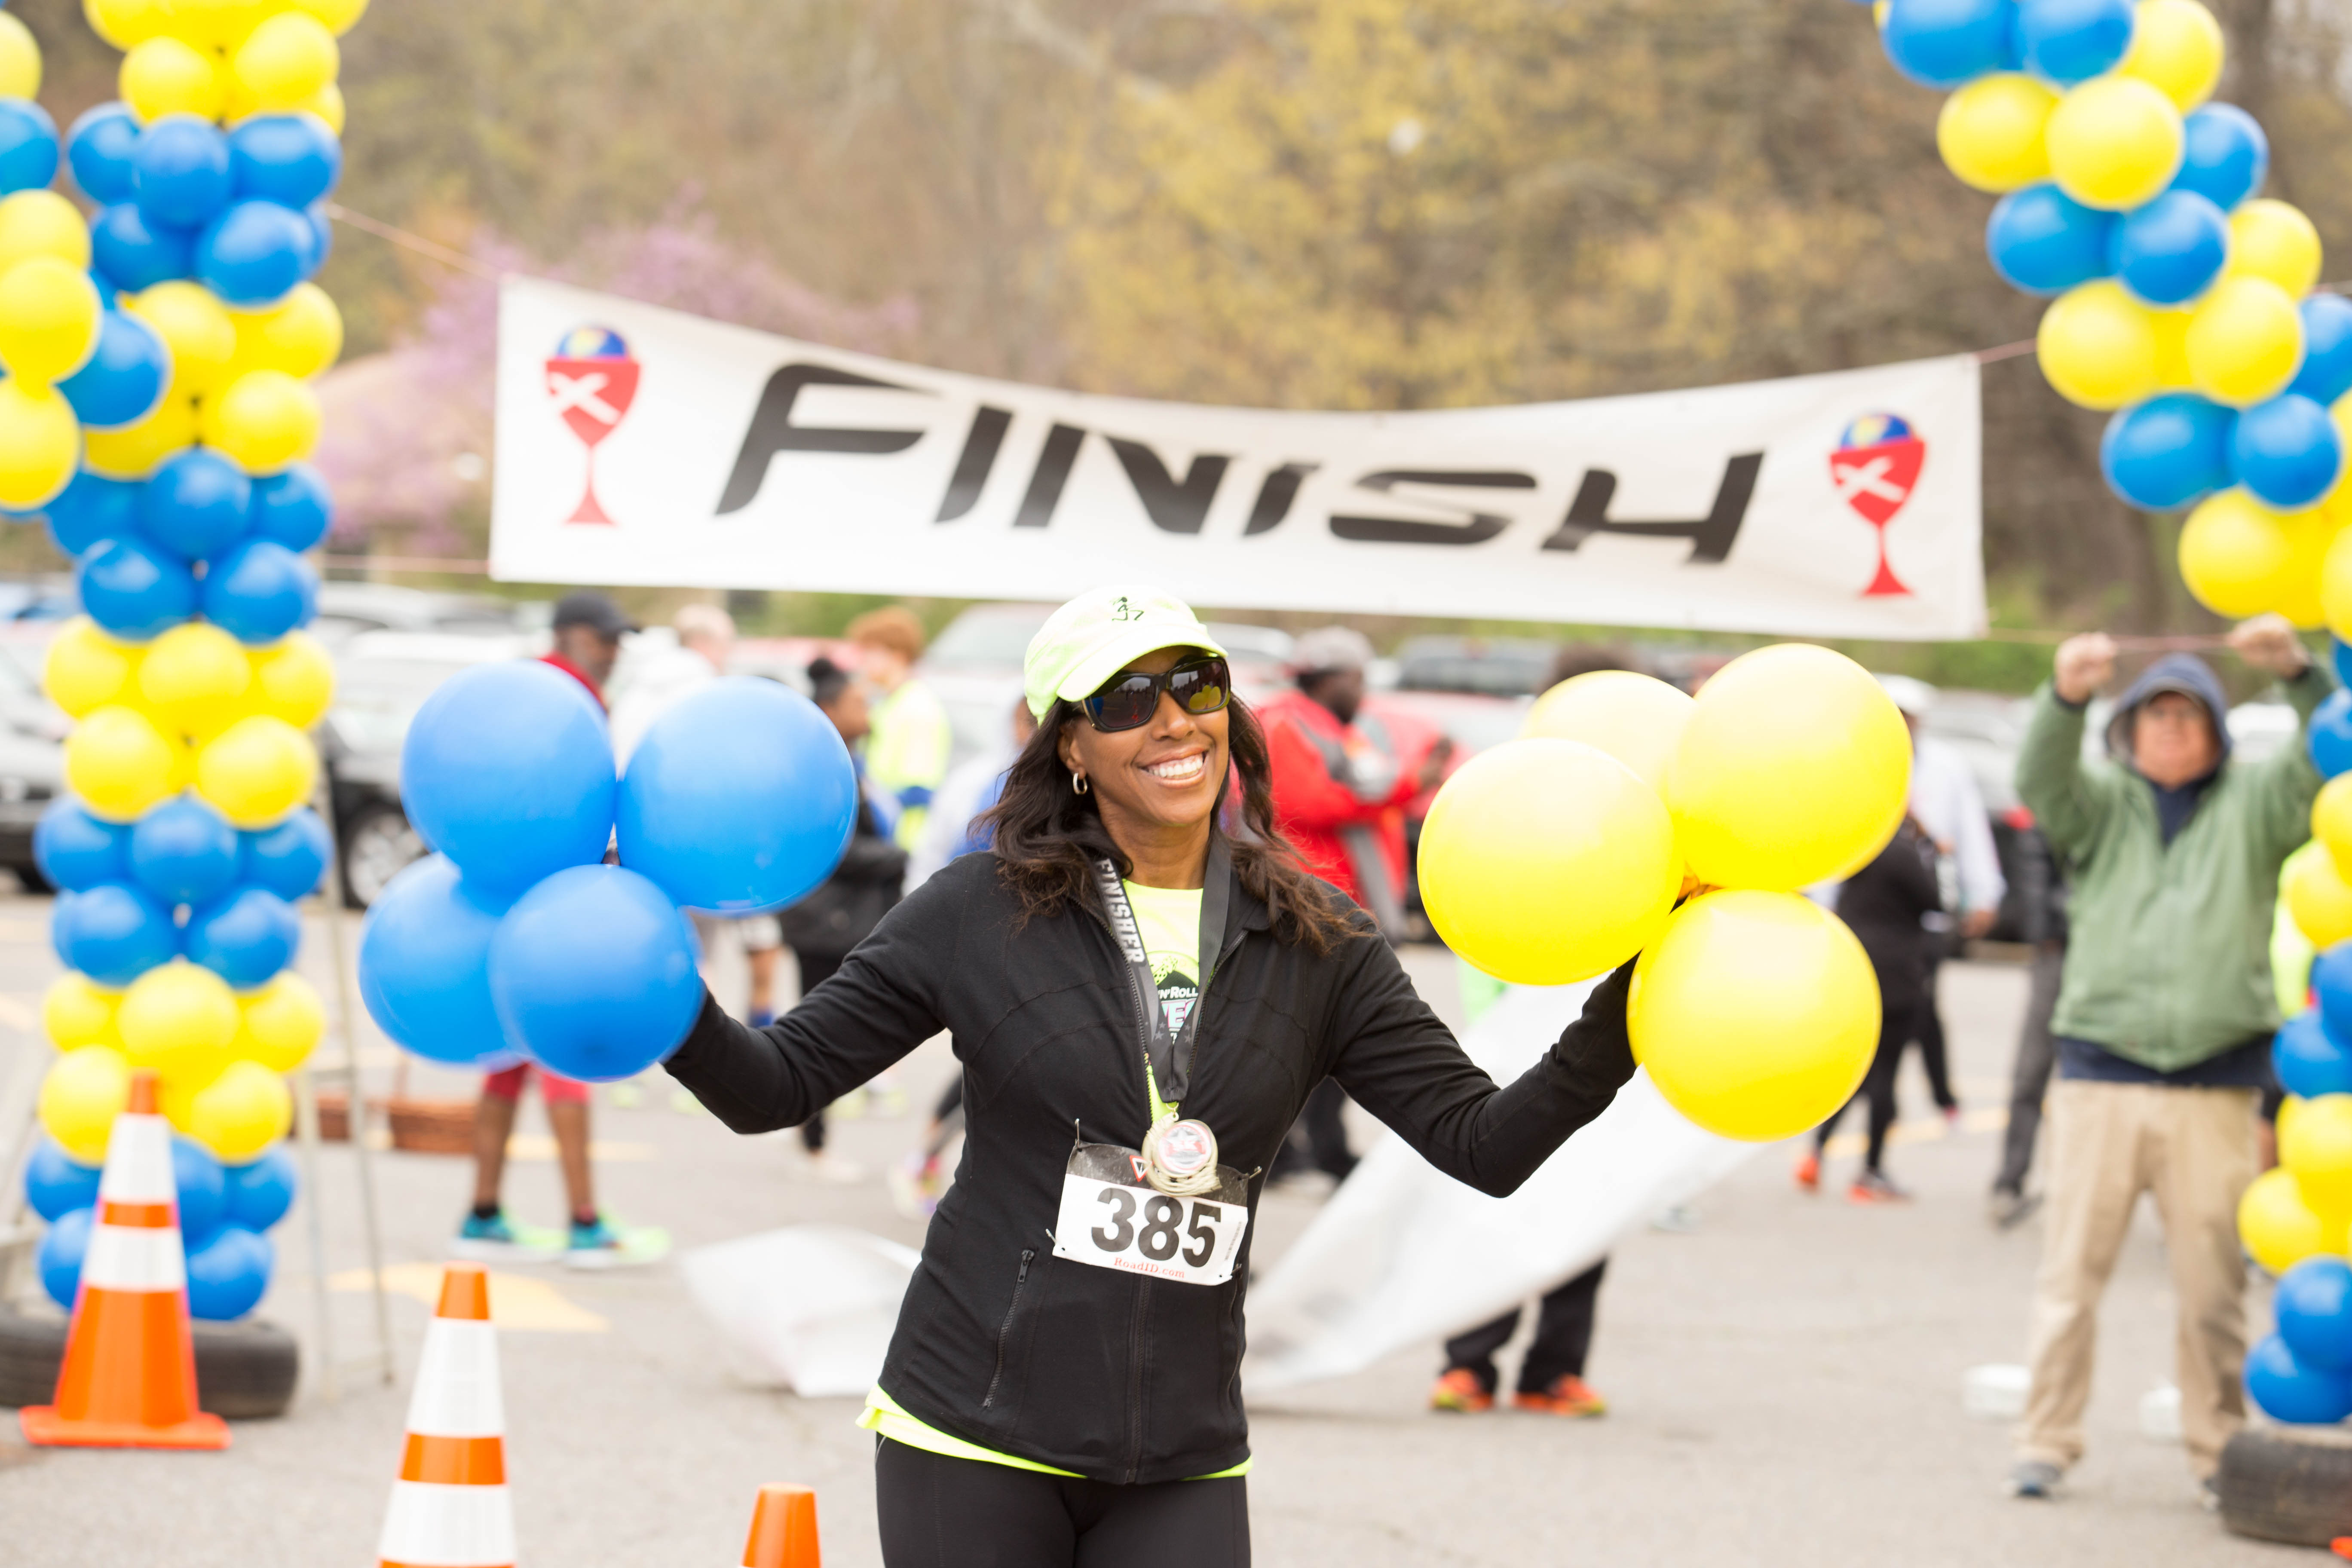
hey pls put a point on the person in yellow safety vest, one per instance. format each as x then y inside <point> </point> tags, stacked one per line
<point>907,752</point>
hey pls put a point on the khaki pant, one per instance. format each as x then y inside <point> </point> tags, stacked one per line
<point>2194,1149</point>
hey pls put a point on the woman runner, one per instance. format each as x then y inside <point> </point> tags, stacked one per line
<point>1141,1005</point>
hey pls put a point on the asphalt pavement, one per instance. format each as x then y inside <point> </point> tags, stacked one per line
<point>1785,1375</point>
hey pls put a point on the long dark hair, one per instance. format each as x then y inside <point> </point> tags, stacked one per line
<point>1047,837</point>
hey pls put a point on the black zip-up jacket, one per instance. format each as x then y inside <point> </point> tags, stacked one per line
<point>1117,1376</point>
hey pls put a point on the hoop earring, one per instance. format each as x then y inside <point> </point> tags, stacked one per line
<point>1078,784</point>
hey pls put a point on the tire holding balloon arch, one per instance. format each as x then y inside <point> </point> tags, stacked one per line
<point>156,416</point>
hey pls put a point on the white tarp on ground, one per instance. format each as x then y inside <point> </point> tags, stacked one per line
<point>642,446</point>
<point>1401,1254</point>
<point>809,1308</point>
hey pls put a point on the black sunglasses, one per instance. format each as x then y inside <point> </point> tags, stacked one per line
<point>1127,700</point>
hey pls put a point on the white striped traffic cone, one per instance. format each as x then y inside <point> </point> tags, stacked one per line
<point>449,1507</point>
<point>128,1379</point>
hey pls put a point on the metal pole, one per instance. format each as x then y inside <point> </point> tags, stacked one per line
<point>306,1132</point>
<point>346,1012</point>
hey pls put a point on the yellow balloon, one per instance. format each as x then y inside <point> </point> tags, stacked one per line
<point>282,1022</point>
<point>2316,895</point>
<point>1990,131</point>
<point>41,223</point>
<point>2278,1223</point>
<point>82,1094</point>
<point>2236,556</point>
<point>2309,533</point>
<point>195,680</point>
<point>2114,143</point>
<point>287,61</point>
<point>49,313</point>
<point>176,1099</point>
<point>264,421</point>
<point>178,1018</point>
<point>2175,47</point>
<point>1522,822</point>
<point>134,451</point>
<point>341,15</point>
<point>328,105</point>
<point>1636,718</point>
<point>85,668</point>
<point>41,445</point>
<point>20,60</point>
<point>2098,346</point>
<point>2171,350</point>
<point>194,326</point>
<point>2269,238</point>
<point>168,76</point>
<point>125,23</point>
<point>2331,820</point>
<point>301,335</point>
<point>77,1012</point>
<point>218,24</point>
<point>256,770</point>
<point>1755,1013</point>
<point>1793,768</point>
<point>294,680</point>
<point>2245,341</point>
<point>241,1113</point>
<point>2316,1146</point>
<point>121,764</point>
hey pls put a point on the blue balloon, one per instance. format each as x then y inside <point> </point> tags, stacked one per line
<point>425,965</point>
<point>195,504</point>
<point>202,1189</point>
<point>2306,1062</point>
<point>1944,43</point>
<point>291,158</point>
<point>2331,982</point>
<point>740,797</point>
<point>184,852</point>
<point>507,769</point>
<point>2169,451</point>
<point>594,974</point>
<point>2225,155</point>
<point>260,591</point>
<point>132,254</point>
<point>92,509</point>
<point>2289,1391</point>
<point>134,589</point>
<point>61,1253</point>
<point>113,932</point>
<point>322,234</point>
<point>292,508</point>
<point>228,1274</point>
<point>2171,251</point>
<point>259,1194</point>
<point>2067,41</point>
<point>290,859</point>
<point>101,149</point>
<point>254,253</point>
<point>123,381</point>
<point>181,172</point>
<point>76,850</point>
<point>2340,657</point>
<point>2287,451</point>
<point>2327,372</point>
<point>28,146</point>
<point>2046,242</point>
<point>245,938</point>
<point>2314,1304</point>
<point>54,1185</point>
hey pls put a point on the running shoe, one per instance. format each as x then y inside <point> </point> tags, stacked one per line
<point>2034,1478</point>
<point>600,1245</point>
<point>2008,1210</point>
<point>1569,1396</point>
<point>1808,1172</point>
<point>1461,1392</point>
<point>1875,1187</point>
<point>494,1240</point>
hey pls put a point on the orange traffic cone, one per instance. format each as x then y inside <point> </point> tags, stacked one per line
<point>783,1529</point>
<point>449,1507</point>
<point>130,1376</point>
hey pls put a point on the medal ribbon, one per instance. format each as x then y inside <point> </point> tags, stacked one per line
<point>1169,1053</point>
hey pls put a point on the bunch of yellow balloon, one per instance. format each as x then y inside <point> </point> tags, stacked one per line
<point>1561,854</point>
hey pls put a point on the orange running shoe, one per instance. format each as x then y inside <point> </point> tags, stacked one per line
<point>1874,1187</point>
<point>1461,1392</point>
<point>1808,1172</point>
<point>1569,1396</point>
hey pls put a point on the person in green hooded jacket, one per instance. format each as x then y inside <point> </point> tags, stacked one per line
<point>2164,1015</point>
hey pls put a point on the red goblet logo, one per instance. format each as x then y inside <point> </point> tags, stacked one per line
<point>592,380</point>
<point>1875,465</point>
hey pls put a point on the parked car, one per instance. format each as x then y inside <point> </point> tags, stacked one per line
<point>348,609</point>
<point>32,744</point>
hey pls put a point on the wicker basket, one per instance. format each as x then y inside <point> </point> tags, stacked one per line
<point>334,1116</point>
<point>418,1126</point>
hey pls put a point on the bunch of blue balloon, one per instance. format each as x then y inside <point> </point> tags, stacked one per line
<point>2181,299</point>
<point>516,940</point>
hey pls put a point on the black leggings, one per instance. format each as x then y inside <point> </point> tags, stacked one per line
<point>942,1512</point>
<point>1563,1337</point>
<point>1894,1029</point>
<point>816,968</point>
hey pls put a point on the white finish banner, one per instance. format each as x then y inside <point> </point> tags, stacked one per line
<point>640,446</point>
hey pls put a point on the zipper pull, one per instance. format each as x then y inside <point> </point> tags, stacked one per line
<point>1022,1277</point>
